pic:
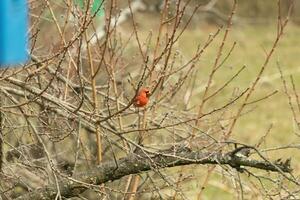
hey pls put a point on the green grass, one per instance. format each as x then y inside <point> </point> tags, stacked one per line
<point>253,42</point>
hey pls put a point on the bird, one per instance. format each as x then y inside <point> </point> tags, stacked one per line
<point>142,98</point>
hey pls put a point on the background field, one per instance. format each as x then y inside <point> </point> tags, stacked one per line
<point>254,37</point>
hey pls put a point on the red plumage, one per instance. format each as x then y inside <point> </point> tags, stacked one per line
<point>142,98</point>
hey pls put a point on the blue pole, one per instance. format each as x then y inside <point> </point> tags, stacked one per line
<point>13,32</point>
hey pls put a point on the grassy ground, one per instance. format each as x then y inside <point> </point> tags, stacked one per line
<point>252,44</point>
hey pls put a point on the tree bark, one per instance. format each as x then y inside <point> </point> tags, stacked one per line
<point>138,163</point>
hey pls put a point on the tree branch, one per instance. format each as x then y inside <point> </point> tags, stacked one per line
<point>137,163</point>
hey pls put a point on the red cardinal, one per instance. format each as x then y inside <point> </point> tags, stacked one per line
<point>142,98</point>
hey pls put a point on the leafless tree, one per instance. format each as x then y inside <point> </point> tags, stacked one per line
<point>69,127</point>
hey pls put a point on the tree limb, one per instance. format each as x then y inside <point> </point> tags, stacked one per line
<point>137,163</point>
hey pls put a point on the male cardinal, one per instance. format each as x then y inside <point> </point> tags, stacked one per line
<point>142,98</point>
